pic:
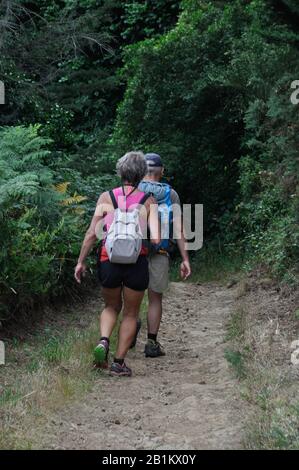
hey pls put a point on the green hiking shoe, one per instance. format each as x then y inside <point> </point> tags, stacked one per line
<point>101,354</point>
<point>153,349</point>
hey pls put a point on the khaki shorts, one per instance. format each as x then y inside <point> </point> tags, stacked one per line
<point>158,266</point>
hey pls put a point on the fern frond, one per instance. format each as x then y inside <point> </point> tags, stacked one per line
<point>19,187</point>
<point>62,187</point>
<point>79,211</point>
<point>75,199</point>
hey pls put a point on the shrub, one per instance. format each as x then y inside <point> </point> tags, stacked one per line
<point>40,234</point>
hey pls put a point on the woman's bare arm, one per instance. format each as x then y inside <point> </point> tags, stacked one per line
<point>91,235</point>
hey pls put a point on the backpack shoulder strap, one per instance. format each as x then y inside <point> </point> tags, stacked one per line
<point>168,189</point>
<point>145,198</point>
<point>168,195</point>
<point>113,199</point>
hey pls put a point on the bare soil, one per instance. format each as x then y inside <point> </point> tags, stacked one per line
<point>185,400</point>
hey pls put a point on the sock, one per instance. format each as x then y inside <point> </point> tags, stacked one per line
<point>118,361</point>
<point>106,339</point>
<point>151,336</point>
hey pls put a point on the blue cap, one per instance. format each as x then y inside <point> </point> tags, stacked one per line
<point>153,160</point>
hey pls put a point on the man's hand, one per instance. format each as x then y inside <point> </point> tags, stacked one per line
<point>185,270</point>
<point>80,271</point>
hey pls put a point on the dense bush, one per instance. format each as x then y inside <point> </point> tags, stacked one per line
<point>41,225</point>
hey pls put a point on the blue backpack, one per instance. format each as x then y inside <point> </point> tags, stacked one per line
<point>162,193</point>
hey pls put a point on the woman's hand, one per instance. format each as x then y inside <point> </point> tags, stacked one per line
<point>185,270</point>
<point>90,236</point>
<point>80,270</point>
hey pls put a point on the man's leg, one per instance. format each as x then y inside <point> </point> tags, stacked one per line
<point>154,312</point>
<point>158,283</point>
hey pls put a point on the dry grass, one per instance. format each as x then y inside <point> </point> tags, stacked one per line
<point>45,372</point>
<point>261,332</point>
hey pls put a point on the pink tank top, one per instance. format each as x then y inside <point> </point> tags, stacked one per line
<point>124,202</point>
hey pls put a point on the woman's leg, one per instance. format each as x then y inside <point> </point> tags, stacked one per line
<point>132,302</point>
<point>108,318</point>
<point>113,306</point>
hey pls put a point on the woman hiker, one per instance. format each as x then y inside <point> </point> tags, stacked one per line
<point>123,285</point>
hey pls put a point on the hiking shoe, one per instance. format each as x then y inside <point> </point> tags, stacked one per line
<point>136,334</point>
<point>153,349</point>
<point>101,354</point>
<point>120,370</point>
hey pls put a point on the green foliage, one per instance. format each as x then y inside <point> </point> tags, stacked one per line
<point>291,5</point>
<point>40,236</point>
<point>213,97</point>
<point>148,18</point>
<point>60,61</point>
<point>87,80</point>
<point>212,263</point>
<point>55,351</point>
<point>175,104</point>
<point>237,361</point>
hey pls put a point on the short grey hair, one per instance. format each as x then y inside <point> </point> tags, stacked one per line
<point>132,167</point>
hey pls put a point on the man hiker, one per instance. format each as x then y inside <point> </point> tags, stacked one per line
<point>159,256</point>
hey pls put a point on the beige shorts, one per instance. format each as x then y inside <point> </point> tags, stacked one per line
<point>158,272</point>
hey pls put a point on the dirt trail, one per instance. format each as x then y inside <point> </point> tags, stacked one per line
<point>186,400</point>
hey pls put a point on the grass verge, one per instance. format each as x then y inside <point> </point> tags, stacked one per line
<point>238,352</point>
<point>259,335</point>
<point>45,371</point>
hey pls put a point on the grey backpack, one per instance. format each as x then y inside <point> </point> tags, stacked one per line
<point>124,237</point>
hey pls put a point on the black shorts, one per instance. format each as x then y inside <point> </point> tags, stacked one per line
<point>135,276</point>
